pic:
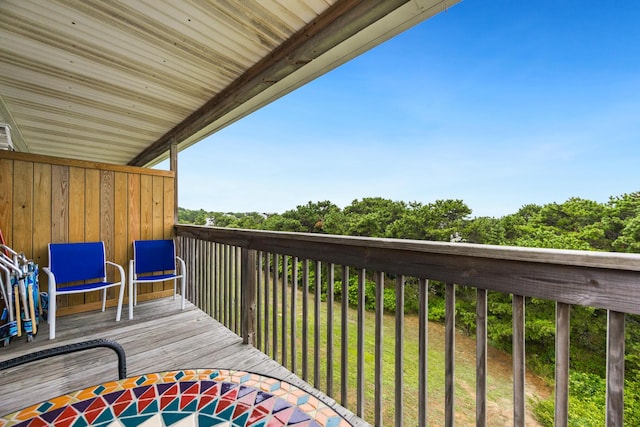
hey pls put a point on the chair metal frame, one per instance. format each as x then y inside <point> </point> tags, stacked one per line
<point>152,260</point>
<point>84,263</point>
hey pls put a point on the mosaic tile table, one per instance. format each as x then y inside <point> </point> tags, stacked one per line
<point>203,397</point>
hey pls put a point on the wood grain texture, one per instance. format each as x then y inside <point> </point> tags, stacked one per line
<point>378,348</point>
<point>51,160</point>
<point>518,356</point>
<point>77,209</point>
<point>615,368</point>
<point>157,190</point>
<point>23,207</point>
<point>561,411</point>
<point>6,199</point>
<point>120,219</point>
<point>93,220</point>
<point>146,220</point>
<point>449,354</point>
<point>60,213</point>
<point>169,204</point>
<point>146,207</point>
<point>481,357</point>
<point>46,199</point>
<point>92,206</point>
<point>106,227</point>
<point>77,215</point>
<point>59,204</point>
<point>423,355</point>
<point>596,279</point>
<point>42,218</point>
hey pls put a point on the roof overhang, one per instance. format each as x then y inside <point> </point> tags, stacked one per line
<point>120,82</point>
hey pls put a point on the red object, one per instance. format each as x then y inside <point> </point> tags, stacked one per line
<point>4,243</point>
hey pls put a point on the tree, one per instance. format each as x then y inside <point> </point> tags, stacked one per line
<point>485,230</point>
<point>622,223</point>
<point>371,216</point>
<point>436,221</point>
<point>310,217</point>
<point>572,215</point>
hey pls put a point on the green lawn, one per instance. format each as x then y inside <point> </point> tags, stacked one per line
<point>499,386</point>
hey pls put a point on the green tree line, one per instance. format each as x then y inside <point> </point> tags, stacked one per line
<point>613,226</point>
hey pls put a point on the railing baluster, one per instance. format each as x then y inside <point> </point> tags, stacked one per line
<point>218,280</point>
<point>193,290</point>
<point>260,301</point>
<point>344,336</point>
<point>202,271</point>
<point>214,271</point>
<point>210,276</point>
<point>423,354</point>
<point>225,284</point>
<point>305,321</point>
<point>399,391</point>
<point>274,327</point>
<point>316,326</point>
<point>294,314</point>
<point>615,368</point>
<point>231,287</point>
<point>379,346</point>
<point>190,291</point>
<point>248,296</point>
<point>206,260</point>
<point>232,280</point>
<point>267,304</point>
<point>449,353</point>
<point>360,363</point>
<point>207,269</point>
<point>561,415</point>
<point>330,296</point>
<point>518,361</point>
<point>238,293</point>
<point>285,278</point>
<point>481,357</point>
<point>197,274</point>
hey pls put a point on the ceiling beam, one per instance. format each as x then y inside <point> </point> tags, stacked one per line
<point>337,24</point>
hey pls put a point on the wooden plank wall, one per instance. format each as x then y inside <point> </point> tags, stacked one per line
<point>48,199</point>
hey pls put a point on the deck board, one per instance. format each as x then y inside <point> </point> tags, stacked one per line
<point>161,337</point>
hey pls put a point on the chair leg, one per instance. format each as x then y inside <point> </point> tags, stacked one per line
<point>120,299</point>
<point>104,299</point>
<point>131,286</point>
<point>51,316</point>
<point>182,291</point>
<point>175,282</point>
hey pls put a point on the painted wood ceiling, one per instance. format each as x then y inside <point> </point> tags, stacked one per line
<point>120,81</point>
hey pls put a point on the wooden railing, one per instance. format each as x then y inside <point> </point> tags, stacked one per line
<point>258,284</point>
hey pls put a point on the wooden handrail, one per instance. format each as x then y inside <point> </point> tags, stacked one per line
<point>596,279</point>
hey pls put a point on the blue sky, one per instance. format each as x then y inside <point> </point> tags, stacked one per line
<point>499,103</point>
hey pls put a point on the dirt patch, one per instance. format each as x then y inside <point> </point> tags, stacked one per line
<point>500,381</point>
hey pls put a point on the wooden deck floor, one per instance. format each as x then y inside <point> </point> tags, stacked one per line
<point>160,338</point>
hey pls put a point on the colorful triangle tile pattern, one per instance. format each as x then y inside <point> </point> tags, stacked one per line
<point>203,397</point>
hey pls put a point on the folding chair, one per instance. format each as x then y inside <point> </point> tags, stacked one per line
<point>155,261</point>
<point>75,263</point>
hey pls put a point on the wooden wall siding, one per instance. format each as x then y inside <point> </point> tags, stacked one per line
<point>47,199</point>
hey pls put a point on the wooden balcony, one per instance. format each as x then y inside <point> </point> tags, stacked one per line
<point>160,338</point>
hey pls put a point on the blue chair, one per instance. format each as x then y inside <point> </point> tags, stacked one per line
<point>155,261</point>
<point>84,265</point>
